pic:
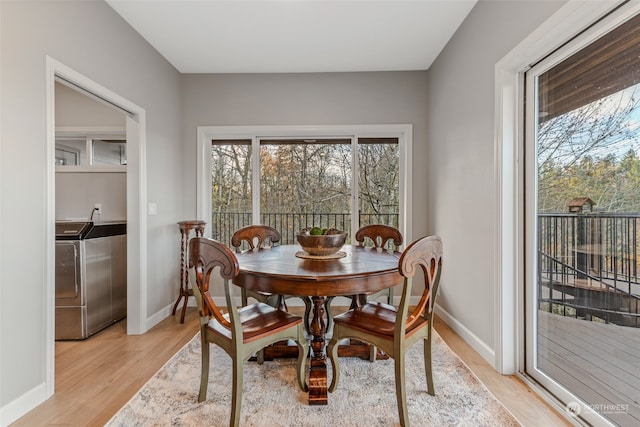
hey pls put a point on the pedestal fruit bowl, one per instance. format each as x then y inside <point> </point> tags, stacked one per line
<point>318,242</point>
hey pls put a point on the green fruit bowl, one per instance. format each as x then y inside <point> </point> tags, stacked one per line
<point>321,245</point>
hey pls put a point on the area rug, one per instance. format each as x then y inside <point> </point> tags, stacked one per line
<point>365,395</point>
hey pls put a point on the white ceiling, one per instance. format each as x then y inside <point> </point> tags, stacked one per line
<point>268,36</point>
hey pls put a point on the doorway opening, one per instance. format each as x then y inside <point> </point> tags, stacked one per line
<point>134,131</point>
<point>90,201</point>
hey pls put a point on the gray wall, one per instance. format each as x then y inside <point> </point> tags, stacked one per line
<point>309,99</point>
<point>92,39</point>
<point>460,158</point>
<point>74,108</point>
<point>78,192</point>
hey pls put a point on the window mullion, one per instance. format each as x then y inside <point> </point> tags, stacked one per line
<point>355,208</point>
<point>255,179</point>
<point>89,150</point>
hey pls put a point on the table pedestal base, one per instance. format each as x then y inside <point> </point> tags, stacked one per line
<point>317,381</point>
<point>317,355</point>
<point>278,271</point>
<point>355,349</point>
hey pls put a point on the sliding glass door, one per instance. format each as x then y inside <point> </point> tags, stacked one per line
<point>583,223</point>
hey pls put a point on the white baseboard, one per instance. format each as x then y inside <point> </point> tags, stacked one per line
<point>163,313</point>
<point>469,337</point>
<point>23,404</point>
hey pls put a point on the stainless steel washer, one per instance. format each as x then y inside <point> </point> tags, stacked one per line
<point>91,277</point>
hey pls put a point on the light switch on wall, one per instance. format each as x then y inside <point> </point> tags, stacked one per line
<point>152,208</point>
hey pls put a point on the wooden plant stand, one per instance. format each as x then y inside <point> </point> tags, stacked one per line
<point>185,291</point>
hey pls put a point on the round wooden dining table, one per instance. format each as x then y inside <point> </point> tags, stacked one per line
<point>287,270</point>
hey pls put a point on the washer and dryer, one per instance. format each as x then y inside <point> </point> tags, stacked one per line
<point>91,277</point>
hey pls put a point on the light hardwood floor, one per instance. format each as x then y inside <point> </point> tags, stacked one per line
<point>96,377</point>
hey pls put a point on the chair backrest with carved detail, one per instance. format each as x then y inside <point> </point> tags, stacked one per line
<point>255,236</point>
<point>204,256</point>
<point>380,235</point>
<point>426,254</point>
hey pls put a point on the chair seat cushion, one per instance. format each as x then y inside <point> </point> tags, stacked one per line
<point>374,318</point>
<point>257,321</point>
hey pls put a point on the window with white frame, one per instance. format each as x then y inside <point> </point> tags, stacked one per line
<point>304,182</point>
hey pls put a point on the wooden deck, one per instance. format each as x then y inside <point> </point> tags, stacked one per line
<point>598,362</point>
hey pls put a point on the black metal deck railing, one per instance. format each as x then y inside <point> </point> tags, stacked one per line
<point>588,266</point>
<point>223,225</point>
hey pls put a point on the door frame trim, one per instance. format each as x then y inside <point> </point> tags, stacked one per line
<point>136,202</point>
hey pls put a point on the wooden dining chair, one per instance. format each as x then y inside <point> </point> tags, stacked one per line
<point>239,332</point>
<point>396,330</point>
<point>260,237</point>
<point>381,237</point>
<point>256,236</point>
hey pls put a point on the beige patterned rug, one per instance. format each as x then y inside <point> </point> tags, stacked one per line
<point>365,395</point>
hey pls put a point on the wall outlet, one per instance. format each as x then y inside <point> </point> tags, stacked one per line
<point>152,208</point>
<point>98,208</point>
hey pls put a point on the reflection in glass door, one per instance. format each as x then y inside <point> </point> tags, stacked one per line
<point>583,225</point>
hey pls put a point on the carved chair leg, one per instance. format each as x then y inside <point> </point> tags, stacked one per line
<point>427,367</point>
<point>401,389</point>
<point>359,301</point>
<point>236,393</point>
<point>332,352</point>
<point>373,351</point>
<point>303,353</point>
<point>204,373</point>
